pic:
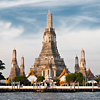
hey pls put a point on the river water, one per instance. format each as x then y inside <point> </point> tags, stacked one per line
<point>50,96</point>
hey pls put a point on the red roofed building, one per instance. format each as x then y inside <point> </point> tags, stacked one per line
<point>90,75</point>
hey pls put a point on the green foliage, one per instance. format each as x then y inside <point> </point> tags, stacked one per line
<point>98,79</point>
<point>78,77</point>
<point>23,80</point>
<point>1,76</point>
<point>2,65</point>
<point>57,81</point>
<point>83,82</point>
<point>71,77</point>
<point>40,78</point>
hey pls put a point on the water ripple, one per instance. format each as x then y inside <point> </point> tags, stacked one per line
<point>50,96</point>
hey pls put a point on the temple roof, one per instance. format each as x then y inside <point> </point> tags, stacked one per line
<point>63,73</point>
<point>90,75</point>
<point>89,72</point>
<point>30,73</point>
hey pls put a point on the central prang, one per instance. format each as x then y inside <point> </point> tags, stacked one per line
<point>49,62</point>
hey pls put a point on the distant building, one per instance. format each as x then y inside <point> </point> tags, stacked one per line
<point>90,75</point>
<point>49,61</point>
<point>62,76</point>
<point>76,64</point>
<point>15,70</point>
<point>22,66</point>
<point>31,76</point>
<point>87,74</point>
<point>82,67</point>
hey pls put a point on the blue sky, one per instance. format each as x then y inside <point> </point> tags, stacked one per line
<point>76,22</point>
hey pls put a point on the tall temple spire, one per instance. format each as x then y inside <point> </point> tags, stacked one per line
<point>82,61</point>
<point>76,64</point>
<point>14,68</point>
<point>22,61</point>
<point>82,68</point>
<point>49,20</point>
<point>14,61</point>
<point>49,10</point>
<point>22,66</point>
<point>49,52</point>
<point>82,54</point>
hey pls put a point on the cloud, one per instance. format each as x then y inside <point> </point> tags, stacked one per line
<point>8,31</point>
<point>72,39</point>
<point>77,34</point>
<point>87,18</point>
<point>27,20</point>
<point>15,3</point>
<point>76,23</point>
<point>50,3</point>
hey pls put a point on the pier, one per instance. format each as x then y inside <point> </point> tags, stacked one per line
<point>49,89</point>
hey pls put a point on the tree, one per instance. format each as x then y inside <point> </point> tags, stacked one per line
<point>22,79</point>
<point>1,76</point>
<point>75,77</point>
<point>40,78</point>
<point>57,81</point>
<point>83,82</point>
<point>98,79</point>
<point>71,78</point>
<point>79,77</point>
<point>2,65</point>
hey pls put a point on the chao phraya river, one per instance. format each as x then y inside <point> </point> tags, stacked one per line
<point>50,96</point>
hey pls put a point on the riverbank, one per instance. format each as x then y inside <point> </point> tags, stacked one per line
<point>49,89</point>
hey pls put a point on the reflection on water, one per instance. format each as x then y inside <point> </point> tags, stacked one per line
<point>50,96</point>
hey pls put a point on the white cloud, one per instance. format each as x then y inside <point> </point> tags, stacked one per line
<point>75,23</point>
<point>27,20</point>
<point>49,3</point>
<point>7,31</point>
<point>71,40</point>
<point>15,3</point>
<point>87,18</point>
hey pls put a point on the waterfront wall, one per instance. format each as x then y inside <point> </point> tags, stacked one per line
<point>52,87</point>
<point>49,89</point>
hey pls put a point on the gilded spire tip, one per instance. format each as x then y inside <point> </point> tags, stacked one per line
<point>49,10</point>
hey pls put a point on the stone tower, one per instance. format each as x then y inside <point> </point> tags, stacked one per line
<point>82,68</point>
<point>15,71</point>
<point>76,64</point>
<point>22,66</point>
<point>49,58</point>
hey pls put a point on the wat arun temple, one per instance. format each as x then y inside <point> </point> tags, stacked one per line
<point>49,62</point>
